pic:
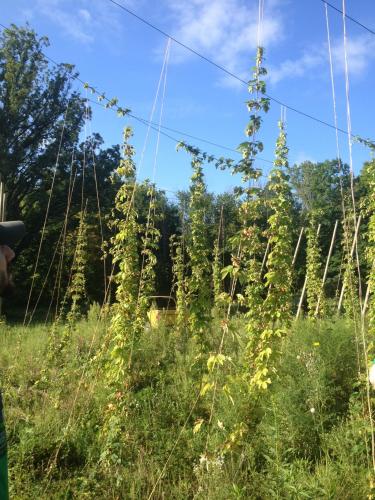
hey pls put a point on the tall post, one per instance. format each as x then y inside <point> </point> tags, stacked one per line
<point>297,246</point>
<point>326,268</point>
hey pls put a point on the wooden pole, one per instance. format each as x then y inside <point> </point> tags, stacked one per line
<point>304,286</point>
<point>297,246</point>
<point>355,238</point>
<point>295,251</point>
<point>367,293</point>
<point>366,300</point>
<point>326,268</point>
<point>4,211</point>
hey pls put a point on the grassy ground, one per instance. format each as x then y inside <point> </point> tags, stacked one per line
<point>306,437</point>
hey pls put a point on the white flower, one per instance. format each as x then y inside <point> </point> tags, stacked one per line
<point>220,425</point>
<point>312,410</point>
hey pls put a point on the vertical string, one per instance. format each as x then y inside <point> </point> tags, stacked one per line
<point>350,143</point>
<point>363,327</point>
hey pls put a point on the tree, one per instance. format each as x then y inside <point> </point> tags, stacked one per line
<point>319,188</point>
<point>40,114</point>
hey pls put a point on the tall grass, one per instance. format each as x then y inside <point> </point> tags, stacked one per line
<point>308,437</point>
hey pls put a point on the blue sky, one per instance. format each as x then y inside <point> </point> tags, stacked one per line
<point>121,56</point>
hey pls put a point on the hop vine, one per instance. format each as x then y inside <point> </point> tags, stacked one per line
<point>250,241</point>
<point>370,202</point>
<point>124,328</point>
<point>278,302</point>
<point>313,266</point>
<point>77,288</point>
<point>179,281</point>
<point>217,266</point>
<point>199,291</point>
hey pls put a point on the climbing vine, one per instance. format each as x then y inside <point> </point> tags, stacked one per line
<point>124,329</point>
<point>150,237</point>
<point>278,302</point>
<point>350,278</point>
<point>217,281</point>
<point>250,239</point>
<point>199,291</point>
<point>179,280</point>
<point>370,202</point>
<point>313,266</point>
<point>77,288</point>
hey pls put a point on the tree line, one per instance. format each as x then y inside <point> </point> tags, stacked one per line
<point>42,117</point>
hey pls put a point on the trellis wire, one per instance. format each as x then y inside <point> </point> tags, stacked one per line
<point>47,213</point>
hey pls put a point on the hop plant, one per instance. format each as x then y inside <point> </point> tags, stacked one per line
<point>199,291</point>
<point>179,281</point>
<point>77,288</point>
<point>276,309</point>
<point>217,266</point>
<point>279,260</point>
<point>150,238</point>
<point>350,279</point>
<point>125,327</point>
<point>371,246</point>
<point>313,266</point>
<point>250,238</point>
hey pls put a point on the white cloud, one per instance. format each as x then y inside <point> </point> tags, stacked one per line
<point>71,22</point>
<point>361,53</point>
<point>301,156</point>
<point>224,30</point>
<point>85,15</point>
<point>295,68</point>
<point>81,20</point>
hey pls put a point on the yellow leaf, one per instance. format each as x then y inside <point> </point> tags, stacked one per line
<point>198,425</point>
<point>207,387</point>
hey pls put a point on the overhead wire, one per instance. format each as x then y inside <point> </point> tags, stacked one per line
<point>154,126</point>
<point>162,82</point>
<point>349,17</point>
<point>225,70</point>
<point>222,68</point>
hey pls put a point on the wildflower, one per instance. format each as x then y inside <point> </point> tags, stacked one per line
<point>316,344</point>
<point>220,425</point>
<point>312,410</point>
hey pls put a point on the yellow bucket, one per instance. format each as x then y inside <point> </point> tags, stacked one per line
<point>162,316</point>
